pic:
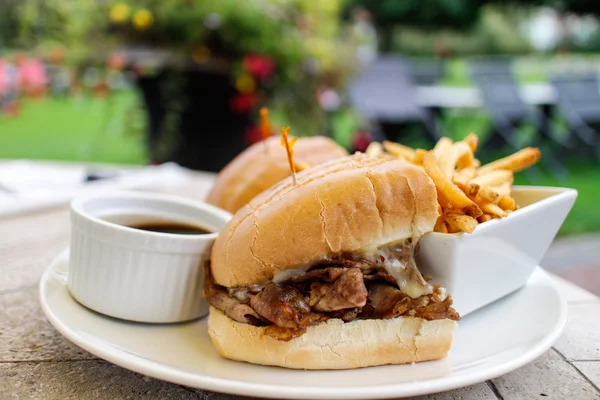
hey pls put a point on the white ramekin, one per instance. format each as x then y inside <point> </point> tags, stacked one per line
<point>139,275</point>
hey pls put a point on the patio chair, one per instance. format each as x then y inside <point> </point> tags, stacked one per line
<point>484,66</point>
<point>427,71</point>
<point>507,109</point>
<point>386,93</point>
<point>508,113</point>
<point>579,105</point>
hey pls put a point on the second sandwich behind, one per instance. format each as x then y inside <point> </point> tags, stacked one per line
<point>264,164</point>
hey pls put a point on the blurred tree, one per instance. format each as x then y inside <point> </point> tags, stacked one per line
<point>433,14</point>
<point>444,15</point>
<point>78,26</point>
<point>496,32</point>
<point>9,23</point>
<point>580,7</point>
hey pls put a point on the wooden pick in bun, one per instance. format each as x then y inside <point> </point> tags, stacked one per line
<point>321,275</point>
<point>264,164</point>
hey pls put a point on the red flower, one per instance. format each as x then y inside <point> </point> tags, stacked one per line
<point>244,102</point>
<point>33,77</point>
<point>361,141</point>
<point>253,135</point>
<point>258,66</point>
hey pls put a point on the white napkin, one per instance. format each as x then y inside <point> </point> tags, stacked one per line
<point>27,186</point>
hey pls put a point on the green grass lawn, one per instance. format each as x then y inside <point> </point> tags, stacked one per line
<point>82,128</point>
<point>585,177</point>
<point>527,71</point>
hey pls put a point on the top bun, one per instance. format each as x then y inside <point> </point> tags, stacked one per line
<point>353,204</point>
<point>256,169</point>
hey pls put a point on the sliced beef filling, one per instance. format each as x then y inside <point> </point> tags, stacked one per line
<point>344,289</point>
<point>346,315</point>
<point>348,291</point>
<point>385,301</point>
<point>284,306</point>
<point>218,297</point>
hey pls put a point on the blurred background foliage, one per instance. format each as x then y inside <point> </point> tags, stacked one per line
<point>303,38</point>
<point>295,56</point>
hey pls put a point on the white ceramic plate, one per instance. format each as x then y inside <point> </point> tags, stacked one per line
<point>489,342</point>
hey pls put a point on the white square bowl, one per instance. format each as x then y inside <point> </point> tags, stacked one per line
<point>500,255</point>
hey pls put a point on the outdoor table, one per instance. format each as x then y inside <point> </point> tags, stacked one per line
<point>541,95</point>
<point>37,362</point>
<point>535,94</point>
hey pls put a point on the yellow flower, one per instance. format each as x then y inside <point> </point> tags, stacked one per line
<point>245,84</point>
<point>119,13</point>
<point>142,19</point>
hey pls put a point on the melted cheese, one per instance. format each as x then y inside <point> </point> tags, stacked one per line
<point>408,283</point>
<point>289,273</point>
<point>402,267</point>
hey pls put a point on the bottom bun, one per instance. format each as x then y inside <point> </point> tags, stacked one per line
<point>335,344</point>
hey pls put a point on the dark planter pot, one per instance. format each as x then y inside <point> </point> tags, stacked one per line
<point>190,120</point>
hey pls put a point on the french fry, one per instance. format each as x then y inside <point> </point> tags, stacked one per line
<point>465,161</point>
<point>419,155</point>
<point>473,141</point>
<point>484,218</point>
<point>449,190</point>
<point>467,193</point>
<point>507,203</point>
<point>460,222</point>
<point>503,190</point>
<point>442,146</point>
<point>458,151</point>
<point>468,173</point>
<point>471,189</point>
<point>483,192</point>
<point>488,194</point>
<point>453,229</point>
<point>493,209</point>
<point>440,225</point>
<point>493,178</point>
<point>460,183</point>
<point>461,178</point>
<point>443,202</point>
<point>375,149</point>
<point>399,150</point>
<point>515,162</point>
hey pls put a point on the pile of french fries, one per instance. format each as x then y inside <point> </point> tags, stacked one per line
<point>468,193</point>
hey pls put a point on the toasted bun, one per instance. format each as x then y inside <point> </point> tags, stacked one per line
<point>352,204</point>
<point>335,344</point>
<point>256,169</point>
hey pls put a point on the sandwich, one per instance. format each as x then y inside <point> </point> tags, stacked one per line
<point>262,165</point>
<point>321,275</point>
